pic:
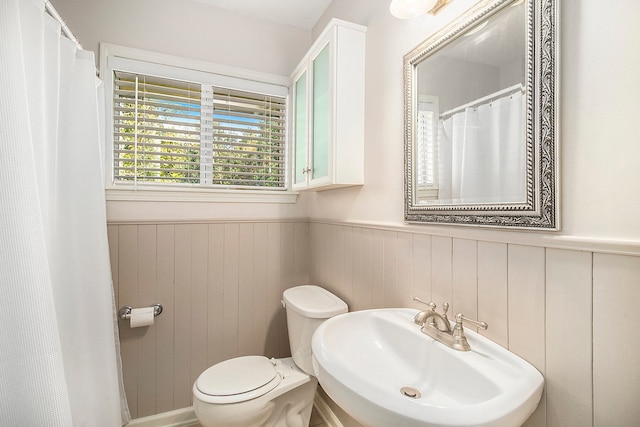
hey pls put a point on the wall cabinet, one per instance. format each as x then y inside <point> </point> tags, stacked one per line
<point>328,110</point>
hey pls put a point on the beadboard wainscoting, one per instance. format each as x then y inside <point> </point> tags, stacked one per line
<point>561,304</point>
<point>563,310</point>
<point>220,284</point>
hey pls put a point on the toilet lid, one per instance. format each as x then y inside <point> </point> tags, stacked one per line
<point>238,379</point>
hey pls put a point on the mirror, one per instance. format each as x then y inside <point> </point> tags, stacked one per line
<point>480,119</point>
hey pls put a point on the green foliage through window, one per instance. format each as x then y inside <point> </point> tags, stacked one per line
<point>169,131</point>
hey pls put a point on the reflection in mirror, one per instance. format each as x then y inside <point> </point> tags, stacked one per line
<point>470,141</point>
<point>474,153</point>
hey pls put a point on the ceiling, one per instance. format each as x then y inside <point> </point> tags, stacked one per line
<point>298,13</point>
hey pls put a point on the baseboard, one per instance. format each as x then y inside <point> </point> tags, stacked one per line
<point>325,412</point>
<point>184,417</point>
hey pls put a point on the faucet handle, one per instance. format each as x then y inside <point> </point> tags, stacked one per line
<point>460,340</point>
<point>431,305</point>
<point>445,308</point>
<point>460,318</point>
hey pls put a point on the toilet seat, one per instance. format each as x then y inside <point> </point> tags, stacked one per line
<point>238,380</point>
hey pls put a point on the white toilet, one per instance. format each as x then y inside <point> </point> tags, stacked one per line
<point>252,391</point>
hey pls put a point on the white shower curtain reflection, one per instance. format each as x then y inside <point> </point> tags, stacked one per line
<point>482,153</point>
<point>59,361</point>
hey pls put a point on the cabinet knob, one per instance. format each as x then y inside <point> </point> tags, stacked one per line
<point>306,170</point>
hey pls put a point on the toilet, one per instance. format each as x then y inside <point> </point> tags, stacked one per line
<point>254,391</point>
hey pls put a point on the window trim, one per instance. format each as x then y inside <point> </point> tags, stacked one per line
<point>146,62</point>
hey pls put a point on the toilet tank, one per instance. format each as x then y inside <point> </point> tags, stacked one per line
<point>307,306</point>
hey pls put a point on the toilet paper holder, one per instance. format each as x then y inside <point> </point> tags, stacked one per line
<point>125,311</point>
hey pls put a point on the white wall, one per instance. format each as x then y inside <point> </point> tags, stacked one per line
<point>599,133</point>
<point>187,28</point>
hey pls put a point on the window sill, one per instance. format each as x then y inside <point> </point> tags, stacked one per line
<point>201,196</point>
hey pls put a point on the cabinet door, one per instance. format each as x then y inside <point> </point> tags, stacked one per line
<point>300,131</point>
<point>321,115</point>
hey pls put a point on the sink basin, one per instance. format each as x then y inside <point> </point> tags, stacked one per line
<point>379,367</point>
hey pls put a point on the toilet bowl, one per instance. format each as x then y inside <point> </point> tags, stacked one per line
<point>254,391</point>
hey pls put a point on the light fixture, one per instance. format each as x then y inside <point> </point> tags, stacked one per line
<point>408,9</point>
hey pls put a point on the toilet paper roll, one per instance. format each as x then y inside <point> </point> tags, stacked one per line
<point>141,317</point>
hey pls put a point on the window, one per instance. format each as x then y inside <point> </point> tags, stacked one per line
<point>181,129</point>
<point>169,131</point>
<point>427,148</point>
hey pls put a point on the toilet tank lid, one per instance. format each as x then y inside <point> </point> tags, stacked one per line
<point>314,302</point>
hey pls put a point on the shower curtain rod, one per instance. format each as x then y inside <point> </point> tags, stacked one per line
<point>65,29</point>
<point>490,97</point>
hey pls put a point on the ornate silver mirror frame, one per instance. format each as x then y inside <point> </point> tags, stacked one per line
<point>540,210</point>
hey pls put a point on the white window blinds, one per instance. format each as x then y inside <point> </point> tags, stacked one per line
<point>173,132</point>
<point>425,152</point>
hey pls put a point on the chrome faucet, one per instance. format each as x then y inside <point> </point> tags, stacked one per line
<point>438,326</point>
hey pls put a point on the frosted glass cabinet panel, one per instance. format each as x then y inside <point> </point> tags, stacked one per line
<point>320,164</point>
<point>328,123</point>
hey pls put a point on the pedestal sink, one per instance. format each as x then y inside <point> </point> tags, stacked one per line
<point>379,367</point>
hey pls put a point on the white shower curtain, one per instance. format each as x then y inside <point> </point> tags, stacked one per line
<point>59,356</point>
<point>482,153</point>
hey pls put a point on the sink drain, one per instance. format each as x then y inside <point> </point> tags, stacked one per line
<point>410,392</point>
